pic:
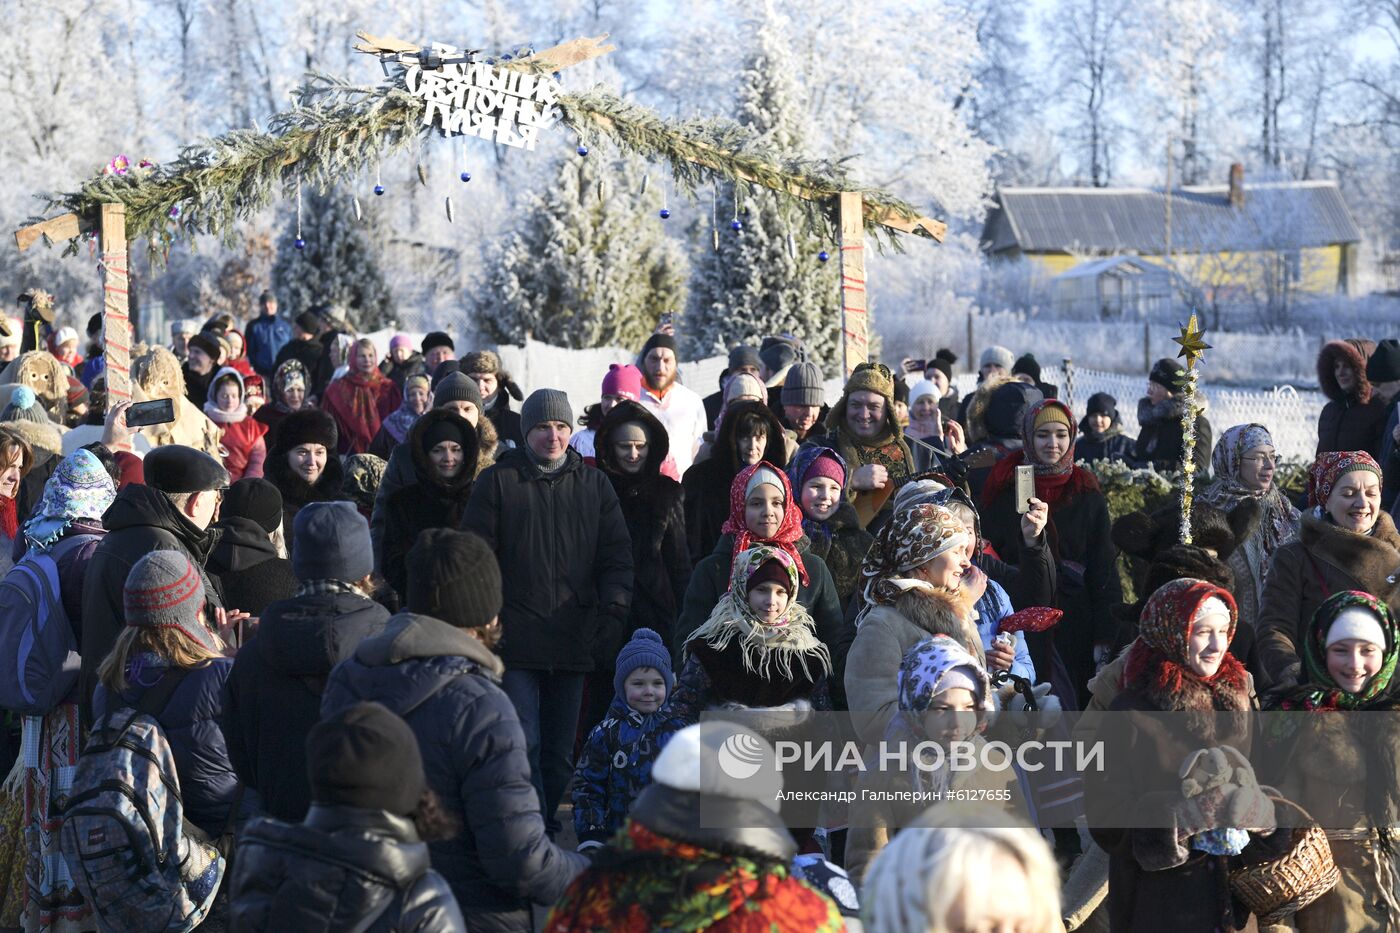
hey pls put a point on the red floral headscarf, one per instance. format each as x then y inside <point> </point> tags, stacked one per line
<point>1157,659</point>
<point>1330,467</point>
<point>789,529</point>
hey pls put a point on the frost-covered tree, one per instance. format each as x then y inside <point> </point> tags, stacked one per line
<point>589,265</point>
<point>765,278</point>
<point>339,265</point>
<point>1087,38</point>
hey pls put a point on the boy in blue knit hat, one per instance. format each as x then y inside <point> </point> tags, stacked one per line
<point>616,761</point>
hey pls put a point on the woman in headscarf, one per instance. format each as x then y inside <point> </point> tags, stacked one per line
<point>241,441</point>
<point>1243,463</point>
<point>917,582</point>
<point>1079,537</point>
<point>818,476</point>
<point>417,399</point>
<point>289,385</point>
<point>1345,543</point>
<point>762,511</point>
<point>66,528</point>
<point>1342,768</point>
<point>361,399</point>
<point>1170,857</point>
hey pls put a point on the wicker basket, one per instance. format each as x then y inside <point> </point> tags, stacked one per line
<point>1277,887</point>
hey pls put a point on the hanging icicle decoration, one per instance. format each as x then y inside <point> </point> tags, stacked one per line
<point>355,202</point>
<point>299,243</point>
<point>714,217</point>
<point>422,175</point>
<point>646,182</point>
<point>451,218</point>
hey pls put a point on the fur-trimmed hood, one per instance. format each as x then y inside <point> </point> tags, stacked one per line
<point>1354,352</point>
<point>976,427</point>
<point>46,440</point>
<point>940,612</point>
<point>424,469</point>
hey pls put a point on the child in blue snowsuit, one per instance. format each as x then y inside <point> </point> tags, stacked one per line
<point>616,761</point>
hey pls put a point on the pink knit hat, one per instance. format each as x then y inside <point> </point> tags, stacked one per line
<point>827,466</point>
<point>400,340</point>
<point>623,380</point>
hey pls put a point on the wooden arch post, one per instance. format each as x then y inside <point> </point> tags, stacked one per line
<point>855,312</point>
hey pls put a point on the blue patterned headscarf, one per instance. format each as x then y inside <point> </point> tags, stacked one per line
<point>80,488</point>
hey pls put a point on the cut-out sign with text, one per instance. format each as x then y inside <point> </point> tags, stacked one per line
<point>477,99</point>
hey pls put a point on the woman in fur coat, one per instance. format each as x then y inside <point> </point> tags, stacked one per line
<point>1351,419</point>
<point>1346,543</point>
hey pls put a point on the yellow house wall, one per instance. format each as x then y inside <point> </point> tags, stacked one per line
<point>1320,267</point>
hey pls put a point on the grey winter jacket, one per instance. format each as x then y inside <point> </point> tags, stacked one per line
<point>444,683</point>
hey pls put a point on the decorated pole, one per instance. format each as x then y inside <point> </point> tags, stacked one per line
<point>855,334</point>
<point>1193,347</point>
<point>116,324</point>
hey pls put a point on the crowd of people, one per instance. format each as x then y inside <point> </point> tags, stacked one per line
<point>344,644</point>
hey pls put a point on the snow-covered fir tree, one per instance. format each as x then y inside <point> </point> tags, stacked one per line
<point>339,265</point>
<point>589,265</point>
<point>766,278</point>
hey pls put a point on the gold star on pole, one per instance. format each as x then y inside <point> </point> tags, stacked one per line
<point>1193,346</point>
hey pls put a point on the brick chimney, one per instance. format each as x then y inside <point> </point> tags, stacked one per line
<point>1237,186</point>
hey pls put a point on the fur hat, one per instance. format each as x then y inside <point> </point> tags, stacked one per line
<point>1145,536</point>
<point>308,426</point>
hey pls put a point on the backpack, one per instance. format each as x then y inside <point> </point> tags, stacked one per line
<point>39,659</point>
<point>124,837</point>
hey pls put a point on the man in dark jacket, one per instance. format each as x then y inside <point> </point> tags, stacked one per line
<point>171,512</point>
<point>267,334</point>
<point>1160,441</point>
<point>244,560</point>
<point>274,692</point>
<point>434,666</point>
<point>358,861</point>
<point>497,388</point>
<point>560,537</point>
<point>303,347</point>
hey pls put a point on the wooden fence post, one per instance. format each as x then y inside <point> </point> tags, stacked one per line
<point>855,322</point>
<point>116,324</point>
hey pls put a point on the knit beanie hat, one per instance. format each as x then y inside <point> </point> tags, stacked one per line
<point>437,339</point>
<point>764,475</point>
<point>999,356</point>
<point>308,426</point>
<point>164,590</point>
<point>920,389</point>
<point>825,465</point>
<point>1027,365</point>
<point>623,380</point>
<point>545,405</point>
<point>363,474</point>
<point>23,407</point>
<point>745,385</point>
<point>364,756</point>
<point>210,343</point>
<point>872,377</point>
<point>457,387</point>
<point>256,499</point>
<point>1101,403</point>
<point>720,759</point>
<point>64,335</point>
<point>777,354</point>
<point>741,356</point>
<point>1358,623</point>
<point>453,576</point>
<point>1166,373</point>
<point>942,365</point>
<point>449,428</point>
<point>665,341</point>
<point>644,649</point>
<point>803,385</point>
<point>770,571</point>
<point>1384,364</point>
<point>330,541</point>
<point>1052,414</point>
<point>481,361</point>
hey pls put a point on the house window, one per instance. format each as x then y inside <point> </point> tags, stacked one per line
<point>1293,260</point>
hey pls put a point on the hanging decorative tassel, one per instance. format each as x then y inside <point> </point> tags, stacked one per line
<point>355,201</point>
<point>299,243</point>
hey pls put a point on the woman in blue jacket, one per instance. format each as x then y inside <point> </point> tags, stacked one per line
<point>165,637</point>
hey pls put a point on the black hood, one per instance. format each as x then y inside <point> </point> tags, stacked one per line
<point>306,636</point>
<point>724,447</point>
<point>424,469</point>
<point>139,506</point>
<point>242,544</point>
<point>329,486</point>
<point>658,442</point>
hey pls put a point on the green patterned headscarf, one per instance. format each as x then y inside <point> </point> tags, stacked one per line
<point>1321,691</point>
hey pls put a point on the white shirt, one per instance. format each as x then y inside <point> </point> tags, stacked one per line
<point>682,413</point>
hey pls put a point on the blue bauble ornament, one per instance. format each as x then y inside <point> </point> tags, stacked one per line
<point>583,150</point>
<point>823,256</point>
<point>466,176</point>
<point>299,243</point>
<point>379,189</point>
<point>736,225</point>
<point>665,213</point>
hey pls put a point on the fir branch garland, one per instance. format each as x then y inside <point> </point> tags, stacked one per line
<point>335,129</point>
